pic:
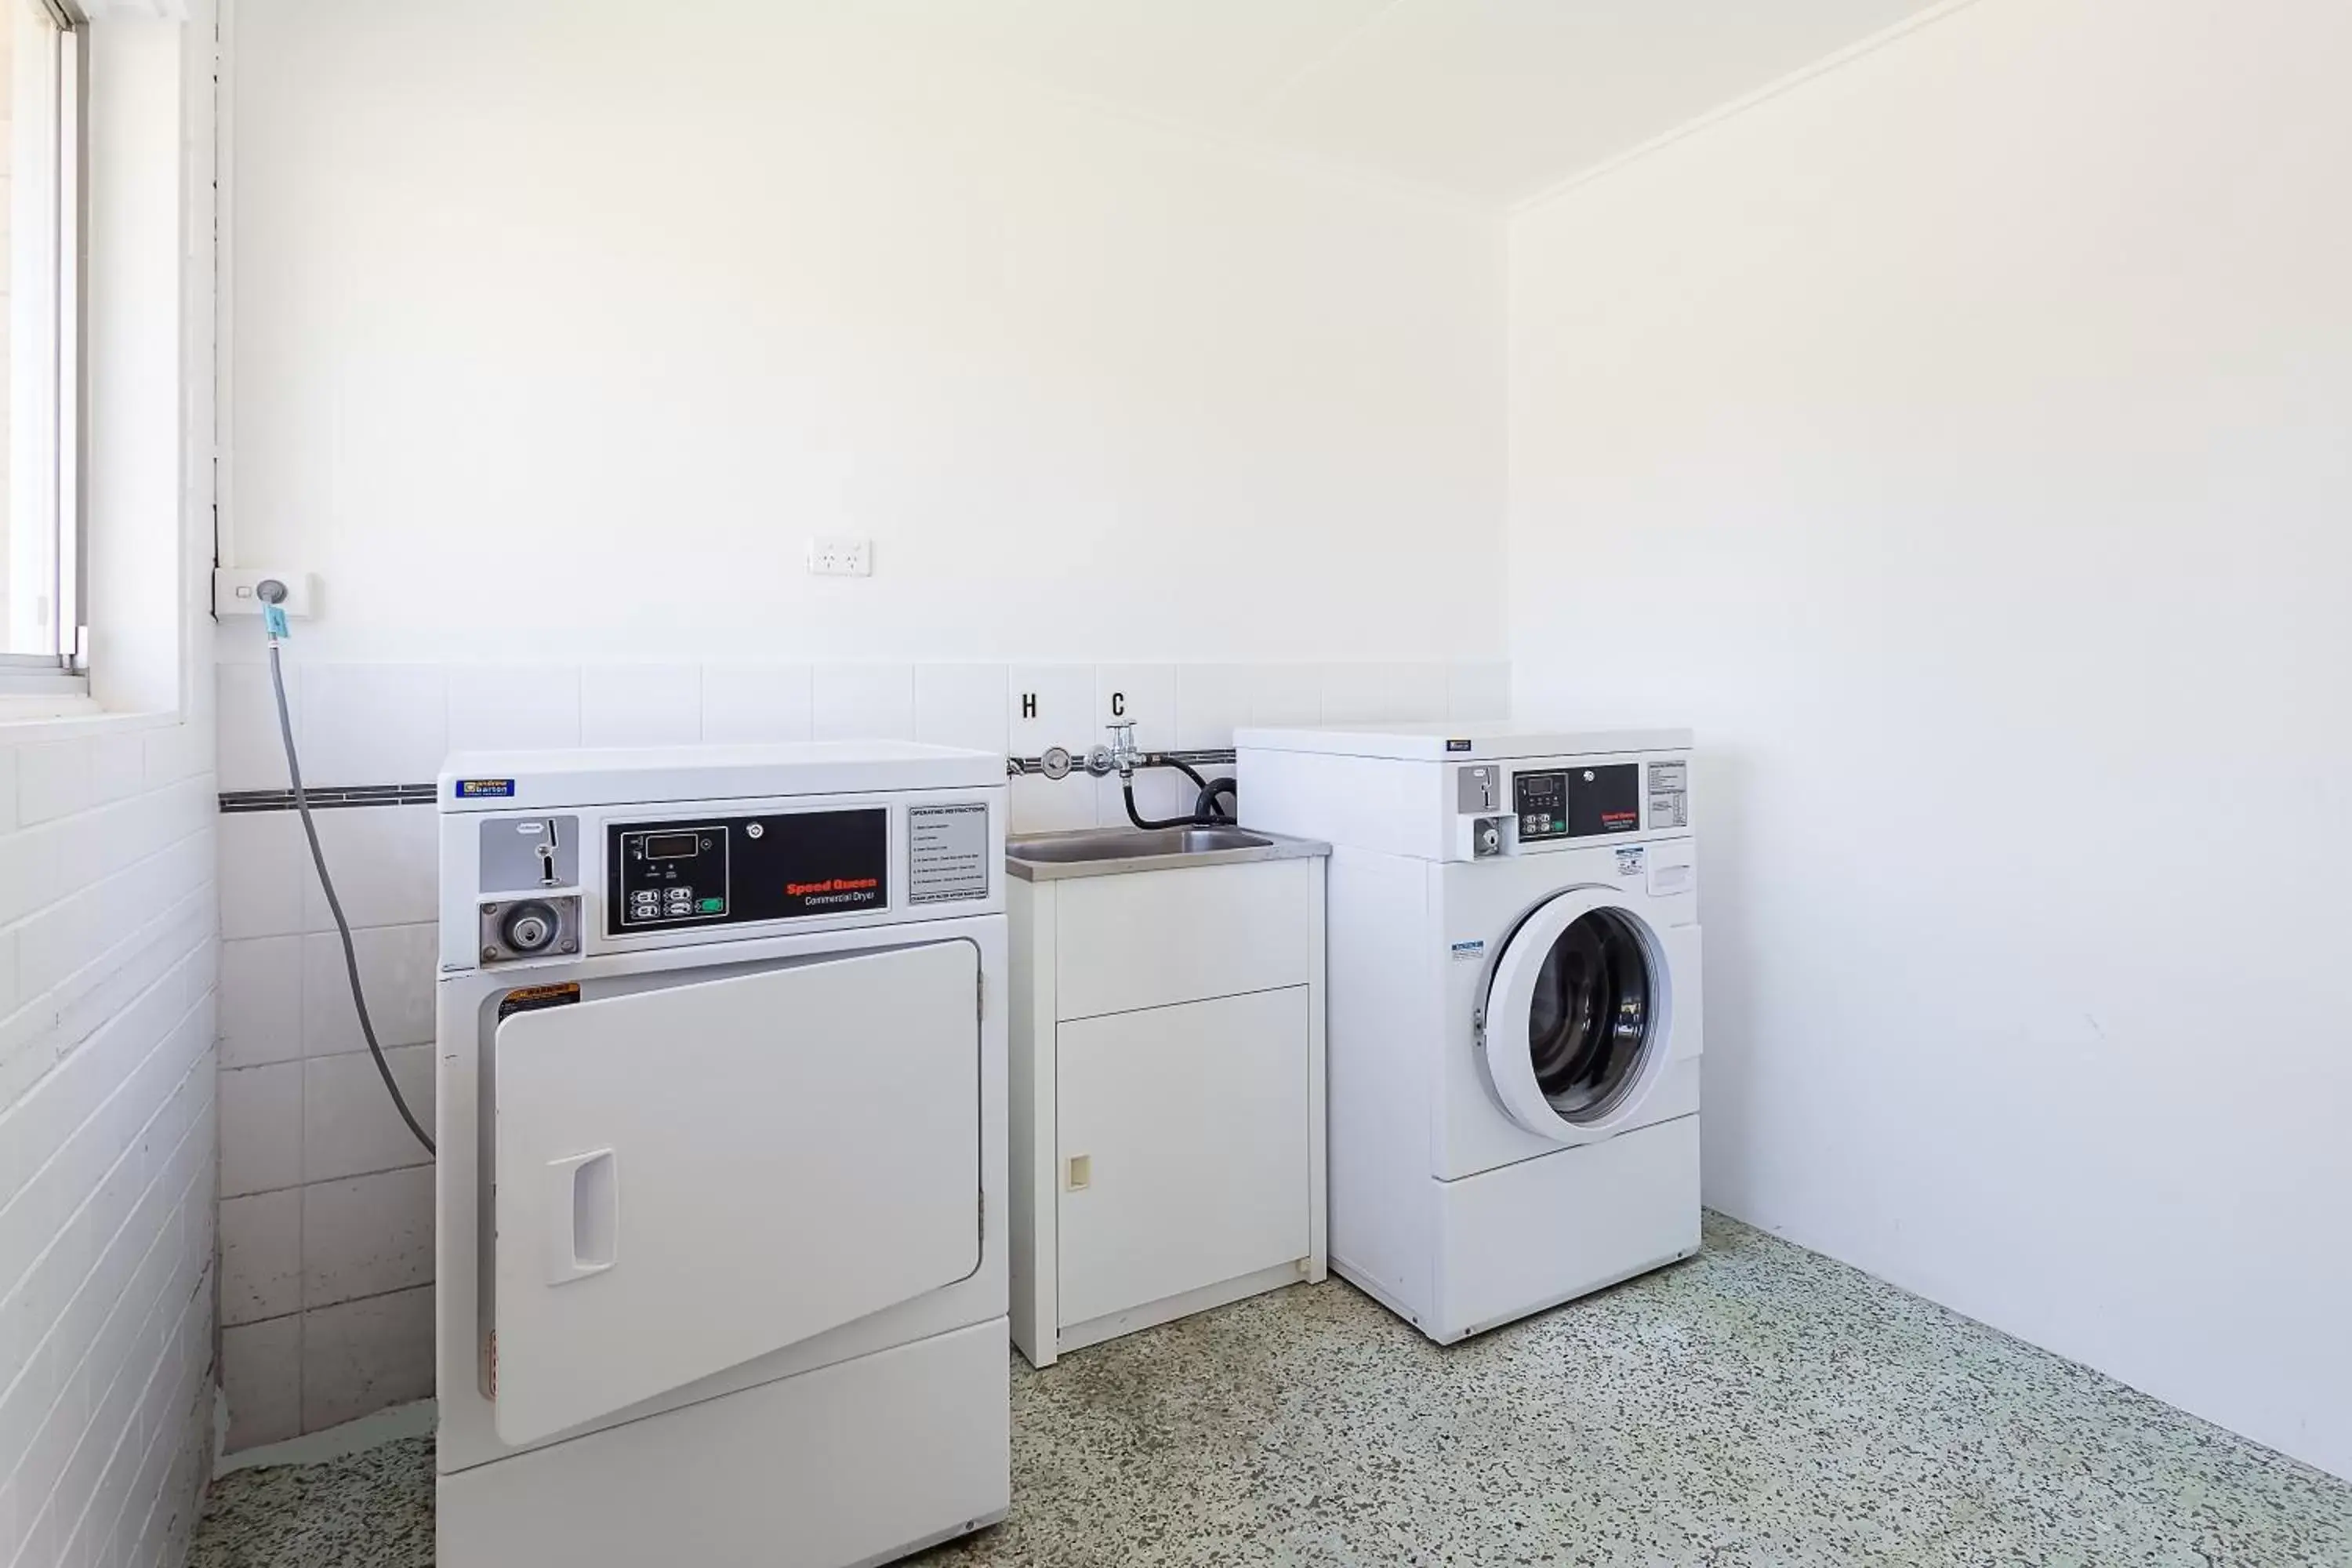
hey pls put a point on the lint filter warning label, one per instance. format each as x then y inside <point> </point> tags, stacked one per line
<point>947,854</point>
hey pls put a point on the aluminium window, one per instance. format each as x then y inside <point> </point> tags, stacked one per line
<point>41,225</point>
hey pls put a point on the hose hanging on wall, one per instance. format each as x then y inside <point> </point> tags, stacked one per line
<point>274,620</point>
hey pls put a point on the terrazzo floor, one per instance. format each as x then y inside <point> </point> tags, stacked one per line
<point>1758,1404</point>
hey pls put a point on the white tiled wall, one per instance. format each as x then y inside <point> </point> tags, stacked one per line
<point>326,1213</point>
<point>107,1138</point>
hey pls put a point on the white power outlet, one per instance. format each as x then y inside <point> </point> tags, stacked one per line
<point>839,556</point>
<point>237,590</point>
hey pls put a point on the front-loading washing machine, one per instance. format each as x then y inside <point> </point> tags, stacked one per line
<point>1515,1020</point>
<point>721,1179</point>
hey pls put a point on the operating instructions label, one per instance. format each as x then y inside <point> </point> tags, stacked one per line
<point>947,854</point>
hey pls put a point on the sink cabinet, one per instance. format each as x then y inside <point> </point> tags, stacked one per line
<point>1166,1094</point>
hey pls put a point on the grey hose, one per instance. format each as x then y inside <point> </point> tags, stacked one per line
<point>335,905</point>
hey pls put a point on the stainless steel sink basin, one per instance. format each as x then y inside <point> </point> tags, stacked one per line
<point>1103,852</point>
<point>1129,844</point>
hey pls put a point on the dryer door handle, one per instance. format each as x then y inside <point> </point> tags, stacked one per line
<point>584,1216</point>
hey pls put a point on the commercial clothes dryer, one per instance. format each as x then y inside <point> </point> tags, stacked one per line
<point>1515,1022</point>
<point>721,1156</point>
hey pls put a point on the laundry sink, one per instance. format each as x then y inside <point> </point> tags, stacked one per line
<point>1095,852</point>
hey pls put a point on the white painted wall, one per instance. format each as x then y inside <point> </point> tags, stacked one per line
<point>552,341</point>
<point>1957,441</point>
<point>108,950</point>
<point>562,337</point>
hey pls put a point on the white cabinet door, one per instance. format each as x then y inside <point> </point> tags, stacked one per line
<point>1190,1124</point>
<point>692,1177</point>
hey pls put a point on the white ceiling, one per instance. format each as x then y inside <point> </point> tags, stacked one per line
<point>1493,100</point>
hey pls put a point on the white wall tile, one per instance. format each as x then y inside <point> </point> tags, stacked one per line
<point>261,1128</point>
<point>261,1373</point>
<point>1212,700</point>
<point>1478,691</point>
<point>385,860</point>
<point>260,1000</point>
<point>511,707</point>
<point>7,788</point>
<point>398,968</point>
<point>361,1356</point>
<point>251,754</point>
<point>261,1256</point>
<point>640,704</point>
<point>54,780</point>
<point>863,702</point>
<point>367,1236</point>
<point>1356,693</point>
<point>373,723</point>
<point>118,764</point>
<point>349,1124</point>
<point>1064,697</point>
<point>743,703</point>
<point>1286,694</point>
<point>962,705</point>
<point>1041,804</point>
<point>1143,692</point>
<point>264,869</point>
<point>1417,693</point>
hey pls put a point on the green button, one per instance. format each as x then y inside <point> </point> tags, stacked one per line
<point>712,906</point>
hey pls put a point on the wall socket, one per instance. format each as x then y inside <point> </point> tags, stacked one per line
<point>237,590</point>
<point>837,555</point>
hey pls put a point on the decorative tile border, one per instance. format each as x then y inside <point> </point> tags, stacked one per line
<point>326,799</point>
<point>344,796</point>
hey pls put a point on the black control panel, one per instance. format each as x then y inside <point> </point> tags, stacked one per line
<point>1578,803</point>
<point>661,876</point>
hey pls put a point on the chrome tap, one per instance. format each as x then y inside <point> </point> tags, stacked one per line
<point>1123,755</point>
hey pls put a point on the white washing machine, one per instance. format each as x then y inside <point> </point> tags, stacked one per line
<point>721,1120</point>
<point>1515,1021</point>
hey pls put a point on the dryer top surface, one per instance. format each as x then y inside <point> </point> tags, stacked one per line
<point>530,780</point>
<point>1459,741</point>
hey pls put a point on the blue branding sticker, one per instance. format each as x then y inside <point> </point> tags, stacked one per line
<point>484,789</point>
<point>1457,745</point>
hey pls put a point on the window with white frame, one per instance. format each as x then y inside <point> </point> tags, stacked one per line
<point>40,209</point>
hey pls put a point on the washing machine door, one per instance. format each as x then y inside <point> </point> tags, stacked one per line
<point>1579,1007</point>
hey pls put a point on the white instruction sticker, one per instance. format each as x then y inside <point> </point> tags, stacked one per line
<point>1469,952</point>
<point>947,853</point>
<point>1630,862</point>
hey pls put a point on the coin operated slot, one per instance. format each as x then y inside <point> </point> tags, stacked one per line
<point>1487,838</point>
<point>514,930</point>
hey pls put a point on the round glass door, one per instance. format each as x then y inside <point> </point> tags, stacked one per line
<point>1589,1017</point>
<point>1577,1010</point>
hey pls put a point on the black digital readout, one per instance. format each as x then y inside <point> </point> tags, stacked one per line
<point>670,846</point>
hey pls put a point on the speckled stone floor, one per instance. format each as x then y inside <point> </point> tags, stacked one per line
<point>1758,1404</point>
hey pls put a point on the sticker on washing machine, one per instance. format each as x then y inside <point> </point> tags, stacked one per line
<point>484,789</point>
<point>531,998</point>
<point>1469,952</point>
<point>1630,862</point>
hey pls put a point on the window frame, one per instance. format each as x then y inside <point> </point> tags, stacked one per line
<point>59,670</point>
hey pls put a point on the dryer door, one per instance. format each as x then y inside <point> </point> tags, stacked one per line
<point>1579,1013</point>
<point>693,1175</point>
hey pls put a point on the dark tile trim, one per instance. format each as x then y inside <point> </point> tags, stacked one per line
<point>332,799</point>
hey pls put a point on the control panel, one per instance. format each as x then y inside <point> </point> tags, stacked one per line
<point>1552,805</point>
<point>662,875</point>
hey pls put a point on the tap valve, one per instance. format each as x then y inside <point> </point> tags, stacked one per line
<point>1124,755</point>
